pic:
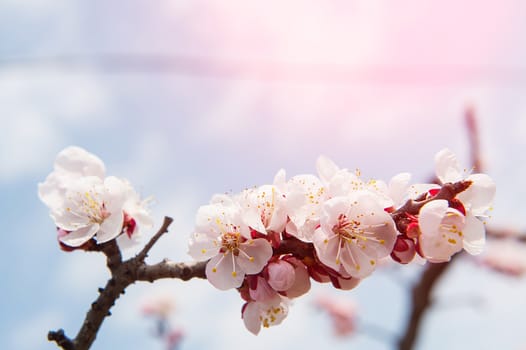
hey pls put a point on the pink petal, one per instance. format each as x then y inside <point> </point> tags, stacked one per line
<point>223,272</point>
<point>281,275</point>
<point>254,255</point>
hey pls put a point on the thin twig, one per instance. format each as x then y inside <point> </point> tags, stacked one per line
<point>164,228</point>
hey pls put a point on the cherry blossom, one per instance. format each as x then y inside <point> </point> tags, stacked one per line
<point>85,204</point>
<point>92,207</point>
<point>354,233</point>
<point>222,236</point>
<point>478,197</point>
<point>441,231</point>
<point>71,163</point>
<point>264,207</point>
<point>343,314</point>
<point>269,313</point>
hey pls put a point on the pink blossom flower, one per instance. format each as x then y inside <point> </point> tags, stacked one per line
<point>264,207</point>
<point>269,313</point>
<point>507,257</point>
<point>91,208</point>
<point>222,236</point>
<point>354,233</point>
<point>343,313</point>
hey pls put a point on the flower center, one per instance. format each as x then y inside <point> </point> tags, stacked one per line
<point>91,205</point>
<point>230,242</point>
<point>347,229</point>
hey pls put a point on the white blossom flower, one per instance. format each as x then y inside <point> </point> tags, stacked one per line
<point>222,236</point>
<point>476,201</point>
<point>70,164</point>
<point>264,207</point>
<point>342,182</point>
<point>269,313</point>
<point>305,195</point>
<point>478,197</point>
<point>354,233</point>
<point>445,231</point>
<point>92,207</point>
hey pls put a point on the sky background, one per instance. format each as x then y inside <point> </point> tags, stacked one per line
<point>238,90</point>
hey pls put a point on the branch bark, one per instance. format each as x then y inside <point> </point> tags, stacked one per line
<point>122,275</point>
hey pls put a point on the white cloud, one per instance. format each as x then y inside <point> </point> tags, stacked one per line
<point>36,112</point>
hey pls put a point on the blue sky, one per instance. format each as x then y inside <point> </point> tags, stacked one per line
<point>182,137</point>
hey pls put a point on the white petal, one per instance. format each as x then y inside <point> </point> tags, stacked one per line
<point>79,237</point>
<point>280,180</point>
<point>252,218</point>
<point>431,215</point>
<point>111,227</point>
<point>360,265</point>
<point>254,255</point>
<point>474,235</point>
<point>398,187</point>
<point>77,160</point>
<point>331,211</point>
<point>447,167</point>
<point>202,247</point>
<point>480,195</point>
<point>69,220</point>
<point>326,168</point>
<point>223,272</point>
<point>326,246</point>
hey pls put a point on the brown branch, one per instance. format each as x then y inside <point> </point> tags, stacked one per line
<point>170,269</point>
<point>122,275</point>
<point>164,228</point>
<point>412,207</point>
<point>421,301</point>
<point>503,233</point>
<point>421,293</point>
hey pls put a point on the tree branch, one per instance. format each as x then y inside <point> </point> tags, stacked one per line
<point>170,269</point>
<point>164,228</point>
<point>421,301</point>
<point>421,293</point>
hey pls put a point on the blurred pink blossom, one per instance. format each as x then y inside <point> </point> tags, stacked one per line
<point>343,314</point>
<point>507,257</point>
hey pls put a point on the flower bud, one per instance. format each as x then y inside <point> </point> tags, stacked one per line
<point>404,250</point>
<point>281,275</point>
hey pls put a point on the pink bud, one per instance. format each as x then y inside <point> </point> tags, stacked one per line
<point>301,283</point>
<point>262,291</point>
<point>281,275</point>
<point>404,250</point>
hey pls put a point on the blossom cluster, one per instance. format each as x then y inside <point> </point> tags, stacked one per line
<point>89,207</point>
<point>268,242</point>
